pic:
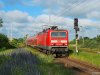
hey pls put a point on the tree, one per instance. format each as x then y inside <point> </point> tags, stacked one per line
<point>98,38</point>
<point>1,21</point>
<point>4,42</point>
<point>17,42</point>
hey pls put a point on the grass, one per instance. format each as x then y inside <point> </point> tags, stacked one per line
<point>3,58</point>
<point>28,61</point>
<point>6,52</point>
<point>17,62</point>
<point>47,66</point>
<point>91,58</point>
<point>54,69</point>
<point>42,57</point>
<point>44,64</point>
<point>85,49</point>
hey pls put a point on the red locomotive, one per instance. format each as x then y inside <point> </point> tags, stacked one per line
<point>30,41</point>
<point>51,40</point>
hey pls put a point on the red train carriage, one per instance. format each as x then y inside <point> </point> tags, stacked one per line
<point>30,41</point>
<point>36,41</point>
<point>53,40</point>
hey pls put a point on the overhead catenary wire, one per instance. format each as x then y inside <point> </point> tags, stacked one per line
<point>75,4</point>
<point>78,5</point>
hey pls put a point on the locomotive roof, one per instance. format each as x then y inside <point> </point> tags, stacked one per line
<point>51,30</point>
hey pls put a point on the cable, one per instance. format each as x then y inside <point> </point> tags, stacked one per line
<point>78,5</point>
<point>73,5</point>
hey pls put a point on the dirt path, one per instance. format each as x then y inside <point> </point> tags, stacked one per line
<point>78,67</point>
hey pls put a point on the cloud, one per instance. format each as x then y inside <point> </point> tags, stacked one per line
<point>16,16</point>
<point>87,22</point>
<point>94,14</point>
<point>22,23</point>
<point>68,8</point>
<point>56,12</point>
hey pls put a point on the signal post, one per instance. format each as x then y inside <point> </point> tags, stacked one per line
<point>76,32</point>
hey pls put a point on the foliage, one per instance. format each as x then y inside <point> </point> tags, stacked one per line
<point>47,66</point>
<point>17,42</point>
<point>88,43</point>
<point>3,58</point>
<point>18,62</point>
<point>90,58</point>
<point>72,42</point>
<point>4,42</point>
<point>29,61</point>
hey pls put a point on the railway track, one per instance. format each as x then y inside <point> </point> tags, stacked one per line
<point>80,68</point>
<point>77,65</point>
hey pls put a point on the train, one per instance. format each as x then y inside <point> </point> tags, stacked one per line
<point>51,40</point>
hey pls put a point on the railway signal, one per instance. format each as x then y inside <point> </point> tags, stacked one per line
<point>76,24</point>
<point>76,30</point>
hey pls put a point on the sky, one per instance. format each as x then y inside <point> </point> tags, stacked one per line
<point>23,17</point>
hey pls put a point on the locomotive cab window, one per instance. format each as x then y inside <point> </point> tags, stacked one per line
<point>62,34</point>
<point>54,34</point>
<point>58,34</point>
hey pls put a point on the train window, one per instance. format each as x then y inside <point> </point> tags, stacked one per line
<point>62,34</point>
<point>54,34</point>
<point>58,34</point>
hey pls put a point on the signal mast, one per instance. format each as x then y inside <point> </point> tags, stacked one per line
<point>76,32</point>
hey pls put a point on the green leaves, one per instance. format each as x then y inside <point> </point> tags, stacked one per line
<point>4,42</point>
<point>93,43</point>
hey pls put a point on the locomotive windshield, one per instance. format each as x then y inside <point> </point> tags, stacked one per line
<point>58,34</point>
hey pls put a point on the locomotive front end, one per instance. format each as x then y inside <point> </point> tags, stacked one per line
<point>59,42</point>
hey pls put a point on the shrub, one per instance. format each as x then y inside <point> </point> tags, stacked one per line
<point>4,42</point>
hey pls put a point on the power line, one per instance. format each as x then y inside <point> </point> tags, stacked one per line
<point>77,5</point>
<point>73,5</point>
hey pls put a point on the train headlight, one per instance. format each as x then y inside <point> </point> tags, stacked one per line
<point>53,41</point>
<point>63,41</point>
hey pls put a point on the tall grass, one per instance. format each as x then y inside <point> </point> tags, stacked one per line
<point>28,61</point>
<point>6,52</point>
<point>18,62</point>
<point>90,58</point>
<point>47,66</point>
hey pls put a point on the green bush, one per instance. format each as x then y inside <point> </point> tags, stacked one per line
<point>4,42</point>
<point>88,43</point>
<point>17,42</point>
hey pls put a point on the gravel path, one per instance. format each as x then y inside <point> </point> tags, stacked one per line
<point>20,62</point>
